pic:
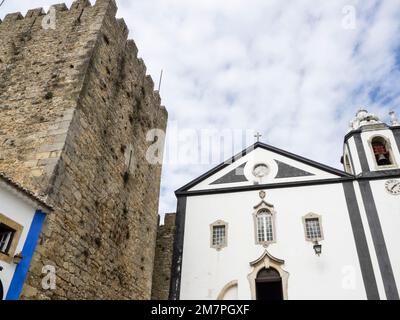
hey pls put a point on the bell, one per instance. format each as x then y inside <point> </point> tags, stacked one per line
<point>382,160</point>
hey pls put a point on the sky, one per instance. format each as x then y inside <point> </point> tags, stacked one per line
<point>295,71</point>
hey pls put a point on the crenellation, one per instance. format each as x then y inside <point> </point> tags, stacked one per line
<point>11,17</point>
<point>131,47</point>
<point>80,4</point>
<point>60,7</point>
<point>149,83</point>
<point>109,6</point>
<point>141,66</point>
<point>123,27</point>
<point>33,13</point>
<point>163,109</point>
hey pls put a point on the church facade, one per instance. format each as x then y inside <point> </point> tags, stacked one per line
<point>268,224</point>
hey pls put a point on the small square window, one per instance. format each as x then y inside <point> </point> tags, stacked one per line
<point>313,227</point>
<point>10,233</point>
<point>6,238</point>
<point>218,234</point>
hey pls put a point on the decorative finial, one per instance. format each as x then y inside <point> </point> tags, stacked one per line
<point>361,113</point>
<point>394,121</point>
<point>363,118</point>
<point>258,136</point>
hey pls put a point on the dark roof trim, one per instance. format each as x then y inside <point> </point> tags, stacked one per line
<point>352,132</point>
<point>216,169</point>
<point>379,175</point>
<point>40,201</point>
<point>265,147</point>
<point>264,186</point>
<point>371,177</point>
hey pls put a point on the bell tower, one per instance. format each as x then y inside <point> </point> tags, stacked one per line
<point>372,147</point>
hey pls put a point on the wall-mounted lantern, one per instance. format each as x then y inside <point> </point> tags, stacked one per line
<point>317,248</point>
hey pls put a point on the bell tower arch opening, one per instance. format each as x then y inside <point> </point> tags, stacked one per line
<point>382,151</point>
<point>371,144</point>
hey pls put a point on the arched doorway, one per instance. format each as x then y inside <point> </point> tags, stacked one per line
<point>274,275</point>
<point>269,285</point>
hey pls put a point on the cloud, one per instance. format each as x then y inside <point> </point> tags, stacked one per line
<point>290,70</point>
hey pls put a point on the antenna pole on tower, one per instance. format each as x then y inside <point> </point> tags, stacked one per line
<point>159,83</point>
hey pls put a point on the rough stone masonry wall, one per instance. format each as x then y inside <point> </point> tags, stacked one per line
<point>73,102</point>
<point>163,258</point>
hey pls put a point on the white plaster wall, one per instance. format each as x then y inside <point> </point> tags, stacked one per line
<point>15,208</point>
<point>388,207</point>
<point>367,135</point>
<point>205,271</point>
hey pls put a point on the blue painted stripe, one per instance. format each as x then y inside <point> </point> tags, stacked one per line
<point>22,268</point>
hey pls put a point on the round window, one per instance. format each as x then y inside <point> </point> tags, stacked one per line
<point>260,170</point>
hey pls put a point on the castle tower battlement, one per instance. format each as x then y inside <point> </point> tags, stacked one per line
<point>75,103</point>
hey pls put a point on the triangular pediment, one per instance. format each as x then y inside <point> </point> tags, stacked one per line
<point>278,167</point>
<point>235,175</point>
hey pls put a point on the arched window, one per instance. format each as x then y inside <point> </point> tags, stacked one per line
<point>381,151</point>
<point>265,227</point>
<point>347,165</point>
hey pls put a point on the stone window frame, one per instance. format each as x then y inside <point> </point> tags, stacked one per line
<point>9,257</point>
<point>224,244</point>
<point>266,260</point>
<point>313,215</point>
<point>389,149</point>
<point>270,208</point>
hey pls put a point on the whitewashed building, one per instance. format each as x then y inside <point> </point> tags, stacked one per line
<point>269,224</point>
<point>22,214</point>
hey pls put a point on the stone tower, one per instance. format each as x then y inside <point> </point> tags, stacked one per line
<point>76,107</point>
